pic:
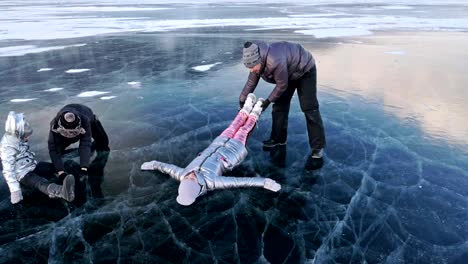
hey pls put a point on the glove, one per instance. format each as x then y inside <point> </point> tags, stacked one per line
<point>83,175</point>
<point>271,185</point>
<point>147,165</point>
<point>16,197</point>
<point>62,177</point>
<point>265,104</point>
<point>241,104</point>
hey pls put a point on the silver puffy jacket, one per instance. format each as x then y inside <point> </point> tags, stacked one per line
<point>222,154</point>
<point>17,160</point>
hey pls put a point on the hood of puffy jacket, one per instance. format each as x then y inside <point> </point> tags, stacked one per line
<point>17,125</point>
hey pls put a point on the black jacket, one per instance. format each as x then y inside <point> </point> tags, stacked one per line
<point>57,143</point>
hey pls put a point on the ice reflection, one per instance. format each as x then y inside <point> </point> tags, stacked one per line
<point>388,188</point>
<point>423,84</point>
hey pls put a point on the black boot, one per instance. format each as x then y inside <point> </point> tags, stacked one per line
<point>271,143</point>
<point>65,191</point>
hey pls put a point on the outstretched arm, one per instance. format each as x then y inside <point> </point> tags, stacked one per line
<point>223,182</point>
<point>8,157</point>
<point>173,171</point>
<point>249,86</point>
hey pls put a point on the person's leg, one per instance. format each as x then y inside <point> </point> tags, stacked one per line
<point>307,93</point>
<point>45,170</point>
<point>244,131</point>
<point>280,115</point>
<point>101,140</point>
<point>65,191</point>
<point>96,173</point>
<point>241,117</point>
<point>231,130</point>
<point>36,182</point>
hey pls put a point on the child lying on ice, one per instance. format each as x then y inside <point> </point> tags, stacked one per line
<point>228,150</point>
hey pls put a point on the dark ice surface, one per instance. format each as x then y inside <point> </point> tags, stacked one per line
<point>388,192</point>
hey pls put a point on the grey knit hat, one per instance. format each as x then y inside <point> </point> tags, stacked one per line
<point>251,55</point>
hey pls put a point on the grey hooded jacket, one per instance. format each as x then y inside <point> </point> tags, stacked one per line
<point>222,154</point>
<point>281,62</point>
<point>17,159</point>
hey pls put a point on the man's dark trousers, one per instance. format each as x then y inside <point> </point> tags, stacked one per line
<point>307,92</point>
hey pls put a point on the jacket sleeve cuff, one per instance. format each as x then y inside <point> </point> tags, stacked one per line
<point>14,186</point>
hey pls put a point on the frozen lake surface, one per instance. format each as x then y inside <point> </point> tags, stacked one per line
<point>164,80</point>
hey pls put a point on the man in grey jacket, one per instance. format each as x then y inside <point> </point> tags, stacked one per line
<point>20,166</point>
<point>228,150</point>
<point>290,67</point>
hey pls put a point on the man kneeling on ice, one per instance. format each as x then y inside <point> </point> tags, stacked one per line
<point>228,150</point>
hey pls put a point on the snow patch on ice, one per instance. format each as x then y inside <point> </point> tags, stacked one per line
<point>91,93</point>
<point>44,69</point>
<point>108,97</point>
<point>205,67</point>
<point>397,7</point>
<point>135,84</point>
<point>22,100</point>
<point>28,49</point>
<point>76,70</point>
<point>335,32</point>
<point>319,15</point>
<point>53,89</point>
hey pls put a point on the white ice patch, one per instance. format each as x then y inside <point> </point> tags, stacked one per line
<point>56,89</point>
<point>135,85</point>
<point>15,50</point>
<point>91,93</point>
<point>397,7</point>
<point>44,69</point>
<point>80,9</point>
<point>396,52</point>
<point>35,22</point>
<point>76,70</point>
<point>335,32</point>
<point>319,15</point>
<point>108,97</point>
<point>205,67</point>
<point>28,49</point>
<point>22,100</point>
